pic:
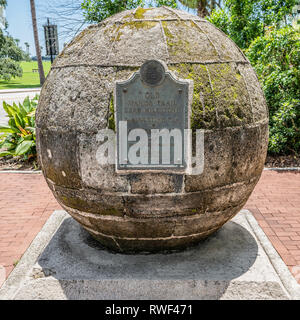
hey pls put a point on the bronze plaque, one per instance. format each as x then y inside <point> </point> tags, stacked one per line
<point>152,111</point>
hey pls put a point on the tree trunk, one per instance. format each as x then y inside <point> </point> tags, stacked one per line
<point>212,5</point>
<point>202,10</point>
<point>37,45</point>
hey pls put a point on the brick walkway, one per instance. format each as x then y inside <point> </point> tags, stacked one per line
<point>26,203</point>
<point>275,203</point>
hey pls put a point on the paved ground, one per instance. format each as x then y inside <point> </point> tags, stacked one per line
<point>275,204</point>
<point>14,95</point>
<point>26,203</point>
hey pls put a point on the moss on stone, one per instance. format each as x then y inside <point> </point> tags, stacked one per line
<point>141,24</point>
<point>133,25</point>
<point>139,13</point>
<point>203,109</point>
<point>113,32</point>
<point>167,32</point>
<point>111,115</point>
<point>186,42</point>
<point>229,94</point>
<point>128,16</point>
<point>161,16</point>
<point>82,34</point>
<point>176,42</point>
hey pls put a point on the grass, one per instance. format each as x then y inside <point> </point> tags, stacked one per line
<point>29,79</point>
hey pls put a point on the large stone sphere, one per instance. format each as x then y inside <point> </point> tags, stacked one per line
<point>150,211</point>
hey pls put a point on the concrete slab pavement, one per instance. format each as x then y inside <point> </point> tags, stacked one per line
<point>237,262</point>
<point>26,203</point>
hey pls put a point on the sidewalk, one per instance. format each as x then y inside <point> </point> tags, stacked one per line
<point>23,90</point>
<point>275,203</point>
<point>26,202</point>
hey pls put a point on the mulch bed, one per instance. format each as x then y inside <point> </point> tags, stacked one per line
<point>32,165</point>
<point>282,161</point>
<point>7,163</point>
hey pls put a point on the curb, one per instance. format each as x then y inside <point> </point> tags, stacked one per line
<point>21,171</point>
<point>284,169</point>
<point>6,91</point>
<point>288,280</point>
<point>40,171</point>
<point>19,273</point>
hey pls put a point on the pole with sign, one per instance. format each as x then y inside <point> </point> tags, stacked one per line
<point>51,39</point>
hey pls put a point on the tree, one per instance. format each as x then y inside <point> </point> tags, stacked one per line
<point>27,47</point>
<point>203,7</point>
<point>10,54</point>
<point>67,14</point>
<point>262,28</point>
<point>276,59</point>
<point>73,16</point>
<point>3,3</point>
<point>98,10</point>
<point>36,41</point>
<point>246,20</point>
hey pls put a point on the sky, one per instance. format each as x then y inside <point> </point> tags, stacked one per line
<point>18,16</point>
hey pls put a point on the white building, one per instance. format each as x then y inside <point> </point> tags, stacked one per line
<point>296,19</point>
<point>2,17</point>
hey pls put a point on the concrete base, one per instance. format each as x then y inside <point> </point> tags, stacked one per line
<point>237,262</point>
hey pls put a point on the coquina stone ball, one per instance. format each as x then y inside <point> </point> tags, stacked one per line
<point>150,211</point>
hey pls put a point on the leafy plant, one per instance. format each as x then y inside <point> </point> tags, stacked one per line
<point>203,7</point>
<point>244,21</point>
<point>276,59</point>
<point>18,137</point>
<point>262,28</point>
<point>98,10</point>
<point>10,54</point>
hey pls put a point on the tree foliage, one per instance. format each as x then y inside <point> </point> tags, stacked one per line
<point>204,7</point>
<point>98,10</point>
<point>160,3</point>
<point>10,54</point>
<point>276,59</point>
<point>262,28</point>
<point>246,20</point>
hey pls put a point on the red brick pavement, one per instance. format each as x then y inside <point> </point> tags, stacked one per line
<point>275,203</point>
<point>26,203</point>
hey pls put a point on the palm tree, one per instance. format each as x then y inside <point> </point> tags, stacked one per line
<point>27,45</point>
<point>203,7</point>
<point>37,45</point>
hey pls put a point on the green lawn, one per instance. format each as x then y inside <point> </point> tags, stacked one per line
<point>29,79</point>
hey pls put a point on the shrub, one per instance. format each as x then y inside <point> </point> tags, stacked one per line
<point>18,137</point>
<point>276,59</point>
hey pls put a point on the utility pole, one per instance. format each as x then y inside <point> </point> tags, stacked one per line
<point>50,42</point>
<point>37,45</point>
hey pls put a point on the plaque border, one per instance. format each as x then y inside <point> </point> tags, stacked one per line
<point>187,121</point>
